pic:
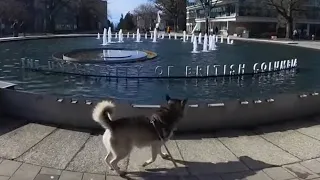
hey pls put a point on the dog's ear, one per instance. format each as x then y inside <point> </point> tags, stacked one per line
<point>168,97</point>
<point>184,102</point>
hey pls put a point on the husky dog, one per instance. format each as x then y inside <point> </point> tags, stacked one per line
<point>123,134</point>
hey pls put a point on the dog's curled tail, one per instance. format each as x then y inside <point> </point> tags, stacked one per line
<point>102,113</point>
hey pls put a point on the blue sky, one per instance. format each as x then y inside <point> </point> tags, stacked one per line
<point>118,7</point>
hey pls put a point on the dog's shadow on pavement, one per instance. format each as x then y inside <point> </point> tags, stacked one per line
<point>203,170</point>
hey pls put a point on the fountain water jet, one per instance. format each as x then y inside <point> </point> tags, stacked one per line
<point>98,36</point>
<point>104,37</point>
<point>154,35</point>
<point>221,40</point>
<point>109,35</point>
<point>175,35</point>
<point>138,35</point>
<point>128,35</point>
<point>120,36</point>
<point>192,37</point>
<point>214,46</point>
<point>195,45</point>
<point>210,42</point>
<point>184,36</point>
<point>205,43</point>
<point>200,38</point>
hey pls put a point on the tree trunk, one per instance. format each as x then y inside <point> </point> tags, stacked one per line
<point>289,28</point>
<point>207,11</point>
<point>207,26</point>
<point>177,24</point>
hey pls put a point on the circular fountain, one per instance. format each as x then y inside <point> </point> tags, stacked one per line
<point>234,80</point>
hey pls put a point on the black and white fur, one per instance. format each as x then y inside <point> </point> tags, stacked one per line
<point>123,134</point>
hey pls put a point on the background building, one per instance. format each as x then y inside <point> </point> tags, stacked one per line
<point>254,17</point>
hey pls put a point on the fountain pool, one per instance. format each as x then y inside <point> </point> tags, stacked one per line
<point>170,53</point>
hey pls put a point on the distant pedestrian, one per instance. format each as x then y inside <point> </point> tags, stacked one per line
<point>14,28</point>
<point>23,28</point>
<point>2,28</point>
<point>216,30</point>
<point>295,34</point>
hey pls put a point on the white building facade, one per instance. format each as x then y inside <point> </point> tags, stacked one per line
<point>253,17</point>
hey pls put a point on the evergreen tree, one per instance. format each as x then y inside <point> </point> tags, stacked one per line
<point>128,23</point>
<point>121,23</point>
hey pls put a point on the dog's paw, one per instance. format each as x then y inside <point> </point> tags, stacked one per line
<point>165,156</point>
<point>122,173</point>
<point>145,164</point>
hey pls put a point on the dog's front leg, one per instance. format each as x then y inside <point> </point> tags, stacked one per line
<point>164,155</point>
<point>155,150</point>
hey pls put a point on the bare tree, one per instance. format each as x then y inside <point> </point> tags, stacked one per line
<point>287,9</point>
<point>89,13</point>
<point>145,15</point>
<point>207,6</point>
<point>12,9</point>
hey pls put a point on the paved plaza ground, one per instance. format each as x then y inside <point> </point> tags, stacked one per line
<point>288,150</point>
<point>284,151</point>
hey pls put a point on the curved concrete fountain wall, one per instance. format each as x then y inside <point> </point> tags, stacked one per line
<point>198,117</point>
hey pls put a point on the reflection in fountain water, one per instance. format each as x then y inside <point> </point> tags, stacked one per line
<point>130,89</point>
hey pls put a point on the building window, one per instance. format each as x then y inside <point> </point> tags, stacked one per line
<point>223,11</point>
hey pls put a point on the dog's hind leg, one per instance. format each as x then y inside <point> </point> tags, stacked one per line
<point>118,153</point>
<point>107,160</point>
<point>155,150</point>
<point>106,141</point>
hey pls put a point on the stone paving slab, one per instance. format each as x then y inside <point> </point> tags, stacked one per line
<point>26,172</point>
<point>4,178</point>
<point>312,165</point>
<point>207,156</point>
<point>87,176</point>
<point>248,175</point>
<point>56,150</point>
<point>69,175</point>
<point>262,153</point>
<point>18,141</point>
<point>50,171</point>
<point>160,166</point>
<point>91,158</point>
<point>204,177</point>
<point>114,178</point>
<point>278,173</point>
<point>8,168</point>
<point>46,177</point>
<point>295,143</point>
<point>300,171</point>
<point>311,131</point>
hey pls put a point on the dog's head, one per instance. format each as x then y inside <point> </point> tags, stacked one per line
<point>176,110</point>
<point>176,105</point>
